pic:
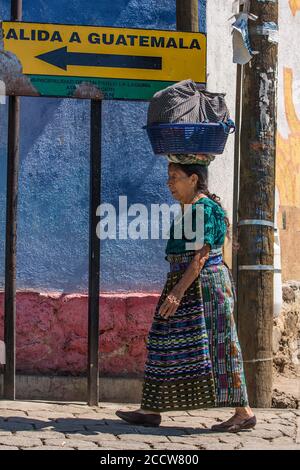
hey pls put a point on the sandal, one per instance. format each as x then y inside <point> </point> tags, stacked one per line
<point>245,424</point>
<point>141,419</point>
<point>235,427</point>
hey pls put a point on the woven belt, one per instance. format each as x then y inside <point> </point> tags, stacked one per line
<point>179,262</point>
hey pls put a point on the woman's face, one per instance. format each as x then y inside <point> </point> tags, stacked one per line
<point>182,186</point>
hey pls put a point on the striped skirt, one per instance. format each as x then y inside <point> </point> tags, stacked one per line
<point>194,358</point>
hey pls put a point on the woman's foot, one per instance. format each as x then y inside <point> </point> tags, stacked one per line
<point>140,417</point>
<point>243,418</point>
<point>235,419</point>
<point>247,423</point>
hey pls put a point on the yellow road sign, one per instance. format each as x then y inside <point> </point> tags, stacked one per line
<point>104,52</point>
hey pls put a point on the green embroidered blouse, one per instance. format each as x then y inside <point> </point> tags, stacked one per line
<point>214,227</point>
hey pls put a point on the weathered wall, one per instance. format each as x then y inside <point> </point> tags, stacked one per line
<point>222,78</point>
<point>54,168</point>
<point>288,143</point>
<point>52,332</point>
<point>52,268</point>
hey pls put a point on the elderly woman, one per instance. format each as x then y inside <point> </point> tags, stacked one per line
<point>194,356</point>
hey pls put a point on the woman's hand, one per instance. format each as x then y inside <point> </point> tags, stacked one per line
<point>171,303</point>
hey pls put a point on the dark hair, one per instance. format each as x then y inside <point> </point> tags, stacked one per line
<point>201,172</point>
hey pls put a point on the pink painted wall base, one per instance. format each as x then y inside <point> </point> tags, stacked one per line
<point>52,332</point>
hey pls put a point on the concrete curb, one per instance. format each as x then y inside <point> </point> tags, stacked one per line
<point>68,388</point>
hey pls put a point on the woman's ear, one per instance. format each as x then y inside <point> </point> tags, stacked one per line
<point>194,179</point>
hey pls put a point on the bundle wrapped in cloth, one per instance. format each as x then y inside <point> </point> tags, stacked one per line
<point>188,123</point>
<point>186,102</point>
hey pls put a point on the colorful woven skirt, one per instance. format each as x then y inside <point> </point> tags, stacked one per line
<point>194,358</point>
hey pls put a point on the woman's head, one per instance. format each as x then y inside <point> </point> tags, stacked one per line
<point>185,181</point>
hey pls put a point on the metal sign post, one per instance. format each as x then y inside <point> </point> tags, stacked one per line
<point>11,233</point>
<point>94,255</point>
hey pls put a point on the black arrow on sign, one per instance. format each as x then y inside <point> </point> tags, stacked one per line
<point>62,58</point>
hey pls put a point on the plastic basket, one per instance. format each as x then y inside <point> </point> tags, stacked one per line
<point>205,137</point>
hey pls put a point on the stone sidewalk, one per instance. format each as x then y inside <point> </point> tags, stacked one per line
<point>68,426</point>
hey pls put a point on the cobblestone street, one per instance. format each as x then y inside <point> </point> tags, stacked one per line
<point>44,425</point>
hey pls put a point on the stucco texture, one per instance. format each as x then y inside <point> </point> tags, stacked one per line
<point>54,168</point>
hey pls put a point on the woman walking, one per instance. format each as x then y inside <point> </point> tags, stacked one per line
<point>194,356</point>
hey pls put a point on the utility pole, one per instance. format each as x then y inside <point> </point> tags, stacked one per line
<point>256,203</point>
<point>187,18</point>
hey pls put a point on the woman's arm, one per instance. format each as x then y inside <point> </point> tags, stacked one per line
<point>170,305</point>
<point>192,272</point>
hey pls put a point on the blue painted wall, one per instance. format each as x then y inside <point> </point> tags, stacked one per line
<point>54,171</point>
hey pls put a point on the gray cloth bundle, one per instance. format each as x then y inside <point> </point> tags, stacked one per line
<point>185,102</point>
